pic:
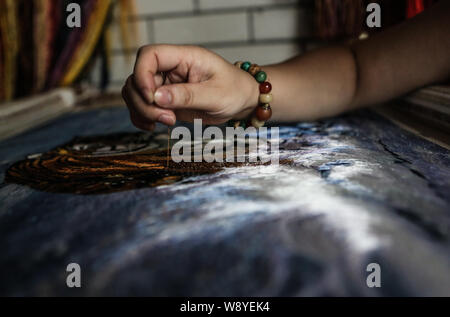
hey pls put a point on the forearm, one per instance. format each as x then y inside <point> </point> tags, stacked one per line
<point>404,58</point>
<point>315,85</point>
<point>337,79</point>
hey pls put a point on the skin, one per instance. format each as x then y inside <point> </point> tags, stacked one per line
<point>323,83</point>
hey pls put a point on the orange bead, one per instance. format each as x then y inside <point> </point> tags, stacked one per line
<point>254,69</point>
<point>264,113</point>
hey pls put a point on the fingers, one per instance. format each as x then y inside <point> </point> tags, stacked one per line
<point>138,122</point>
<point>191,88</point>
<point>191,115</point>
<point>154,59</point>
<point>141,112</point>
<point>199,96</point>
<point>160,80</point>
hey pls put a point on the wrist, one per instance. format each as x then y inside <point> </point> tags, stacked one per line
<point>252,100</point>
<point>259,96</point>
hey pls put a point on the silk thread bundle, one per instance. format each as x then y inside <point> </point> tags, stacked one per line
<point>415,7</point>
<point>26,54</point>
<point>1,67</point>
<point>71,41</point>
<point>39,52</point>
<point>105,55</point>
<point>10,45</point>
<point>339,18</point>
<point>41,42</point>
<point>352,17</point>
<point>344,18</point>
<point>88,42</point>
<point>128,27</point>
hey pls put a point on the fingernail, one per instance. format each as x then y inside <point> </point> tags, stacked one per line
<point>167,120</point>
<point>150,97</point>
<point>163,97</point>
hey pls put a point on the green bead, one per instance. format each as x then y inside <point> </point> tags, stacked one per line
<point>261,77</point>
<point>246,66</point>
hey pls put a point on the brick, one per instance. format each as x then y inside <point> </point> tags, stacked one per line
<point>142,36</point>
<point>221,4</point>
<point>115,87</point>
<point>201,29</point>
<point>122,67</point>
<point>283,23</point>
<point>260,54</point>
<point>148,7</point>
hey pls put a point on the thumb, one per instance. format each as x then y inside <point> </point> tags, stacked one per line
<point>199,96</point>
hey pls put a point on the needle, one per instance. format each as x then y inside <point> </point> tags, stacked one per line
<point>168,147</point>
<point>164,78</point>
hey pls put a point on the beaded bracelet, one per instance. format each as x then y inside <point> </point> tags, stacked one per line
<point>264,112</point>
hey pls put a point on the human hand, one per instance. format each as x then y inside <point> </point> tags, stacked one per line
<point>199,85</point>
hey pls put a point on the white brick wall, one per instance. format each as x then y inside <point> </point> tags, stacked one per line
<point>122,67</point>
<point>283,23</point>
<point>263,31</point>
<point>211,28</point>
<point>149,7</point>
<point>263,54</point>
<point>142,38</point>
<point>214,4</point>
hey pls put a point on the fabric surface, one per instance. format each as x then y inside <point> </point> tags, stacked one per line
<point>359,191</point>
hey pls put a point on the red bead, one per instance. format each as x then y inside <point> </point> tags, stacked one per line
<point>265,88</point>
<point>264,113</point>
